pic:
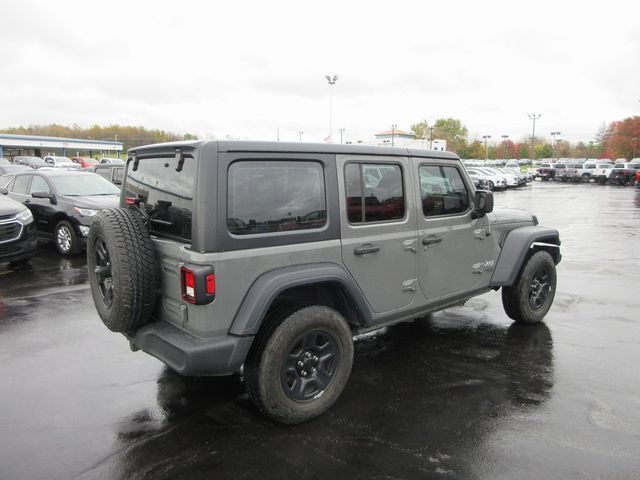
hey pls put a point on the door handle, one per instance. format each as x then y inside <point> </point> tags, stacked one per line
<point>431,240</point>
<point>366,248</point>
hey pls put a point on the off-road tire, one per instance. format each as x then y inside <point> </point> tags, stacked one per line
<point>130,265</point>
<point>517,299</point>
<point>66,229</point>
<point>265,364</point>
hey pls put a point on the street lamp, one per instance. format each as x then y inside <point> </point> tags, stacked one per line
<point>341,131</point>
<point>486,152</point>
<point>504,139</point>
<point>300,132</point>
<point>393,133</point>
<point>553,145</point>
<point>332,81</point>
<point>431,141</point>
<point>534,117</point>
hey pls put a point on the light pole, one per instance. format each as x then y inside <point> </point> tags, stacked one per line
<point>486,152</point>
<point>393,133</point>
<point>431,141</point>
<point>341,131</point>
<point>553,146</point>
<point>332,81</point>
<point>534,117</point>
<point>504,139</point>
<point>300,132</point>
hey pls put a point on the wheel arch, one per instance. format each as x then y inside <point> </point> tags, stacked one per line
<point>322,283</point>
<point>518,247</point>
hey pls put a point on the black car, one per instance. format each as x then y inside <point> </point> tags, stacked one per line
<point>18,236</point>
<point>64,203</point>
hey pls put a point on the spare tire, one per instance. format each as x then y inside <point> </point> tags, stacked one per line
<point>122,269</point>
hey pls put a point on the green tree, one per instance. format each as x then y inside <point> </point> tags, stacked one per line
<point>421,130</point>
<point>453,131</point>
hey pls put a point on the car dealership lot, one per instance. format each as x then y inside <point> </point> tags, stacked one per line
<point>464,395</point>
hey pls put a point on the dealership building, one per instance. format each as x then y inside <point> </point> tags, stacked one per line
<point>16,145</point>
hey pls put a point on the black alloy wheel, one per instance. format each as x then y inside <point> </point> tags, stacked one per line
<point>539,288</point>
<point>310,365</point>
<point>102,271</point>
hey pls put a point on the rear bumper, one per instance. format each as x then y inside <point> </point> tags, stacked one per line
<point>191,355</point>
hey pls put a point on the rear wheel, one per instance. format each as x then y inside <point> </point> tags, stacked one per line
<point>530,298</point>
<point>299,364</point>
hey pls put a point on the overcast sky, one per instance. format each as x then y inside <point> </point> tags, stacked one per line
<point>248,68</point>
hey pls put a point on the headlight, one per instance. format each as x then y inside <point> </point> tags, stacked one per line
<point>87,212</point>
<point>25,216</point>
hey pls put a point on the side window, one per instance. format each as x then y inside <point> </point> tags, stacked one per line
<point>39,184</point>
<point>442,190</point>
<point>375,192</point>
<point>275,196</point>
<point>21,184</point>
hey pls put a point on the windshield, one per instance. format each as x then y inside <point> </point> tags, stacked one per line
<point>84,184</point>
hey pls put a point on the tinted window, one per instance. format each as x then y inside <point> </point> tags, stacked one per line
<point>375,192</point>
<point>165,193</point>
<point>39,184</point>
<point>21,184</point>
<point>83,184</point>
<point>443,191</point>
<point>267,197</point>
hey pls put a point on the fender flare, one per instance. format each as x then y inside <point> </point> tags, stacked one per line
<point>266,288</point>
<point>515,249</point>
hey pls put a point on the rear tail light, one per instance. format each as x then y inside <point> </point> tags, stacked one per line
<point>198,284</point>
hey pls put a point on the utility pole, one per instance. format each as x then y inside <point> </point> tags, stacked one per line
<point>300,132</point>
<point>486,151</point>
<point>431,141</point>
<point>332,81</point>
<point>553,146</point>
<point>504,139</point>
<point>341,130</point>
<point>393,133</point>
<point>534,117</point>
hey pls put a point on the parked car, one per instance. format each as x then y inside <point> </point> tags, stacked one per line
<point>61,162</point>
<point>113,173</point>
<point>33,162</point>
<point>4,162</point>
<point>63,203</point>
<point>195,269</point>
<point>18,234</point>
<point>85,162</point>
<point>546,171</point>
<point>112,161</point>
<point>602,171</point>
<point>623,173</point>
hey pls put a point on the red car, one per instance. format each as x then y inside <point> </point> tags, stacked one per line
<point>85,162</point>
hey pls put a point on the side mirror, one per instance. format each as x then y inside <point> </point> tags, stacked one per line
<point>483,203</point>
<point>50,196</point>
<point>3,190</point>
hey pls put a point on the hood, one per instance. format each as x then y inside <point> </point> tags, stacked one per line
<point>502,215</point>
<point>95,202</point>
<point>9,206</point>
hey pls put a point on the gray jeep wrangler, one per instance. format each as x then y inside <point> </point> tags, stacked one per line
<point>271,256</point>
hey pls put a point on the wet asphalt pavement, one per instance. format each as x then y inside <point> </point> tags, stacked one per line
<point>464,395</point>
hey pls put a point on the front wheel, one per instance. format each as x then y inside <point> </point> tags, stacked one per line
<point>530,298</point>
<point>299,364</point>
<point>65,238</point>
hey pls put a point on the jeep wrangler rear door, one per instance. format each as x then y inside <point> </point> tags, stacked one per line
<point>379,242</point>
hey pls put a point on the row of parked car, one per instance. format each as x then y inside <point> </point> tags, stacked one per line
<point>601,171</point>
<point>497,178</point>
<point>52,200</point>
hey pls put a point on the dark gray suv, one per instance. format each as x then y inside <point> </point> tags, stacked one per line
<point>272,256</point>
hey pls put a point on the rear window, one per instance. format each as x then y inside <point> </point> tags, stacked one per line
<point>275,196</point>
<point>165,193</point>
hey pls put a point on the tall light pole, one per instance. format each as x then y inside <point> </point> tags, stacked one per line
<point>341,131</point>
<point>534,117</point>
<point>431,141</point>
<point>504,139</point>
<point>300,132</point>
<point>553,146</point>
<point>486,152</point>
<point>393,133</point>
<point>332,81</point>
